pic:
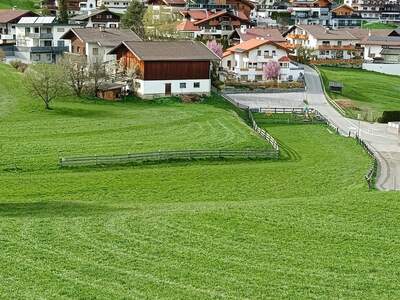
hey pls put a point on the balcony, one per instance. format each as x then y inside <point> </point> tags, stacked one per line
<point>35,35</point>
<point>337,47</point>
<point>297,36</point>
<point>44,49</point>
<point>6,37</point>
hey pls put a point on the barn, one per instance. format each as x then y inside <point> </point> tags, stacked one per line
<point>165,68</point>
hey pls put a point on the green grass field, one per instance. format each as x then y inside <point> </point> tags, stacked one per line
<point>302,227</point>
<point>365,93</point>
<point>378,25</point>
<point>19,4</point>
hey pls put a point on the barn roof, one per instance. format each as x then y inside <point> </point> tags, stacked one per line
<point>169,51</point>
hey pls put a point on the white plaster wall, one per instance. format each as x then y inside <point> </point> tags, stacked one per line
<point>157,87</point>
<point>391,69</point>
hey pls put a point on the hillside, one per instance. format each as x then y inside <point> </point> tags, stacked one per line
<point>20,4</point>
<point>302,227</point>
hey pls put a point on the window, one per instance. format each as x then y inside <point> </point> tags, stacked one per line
<point>47,43</point>
<point>78,49</point>
<point>258,78</point>
<point>182,85</point>
<point>109,16</point>
<point>36,29</point>
<point>266,53</point>
<point>339,43</point>
<point>113,26</point>
<point>273,53</point>
<point>72,49</point>
<point>60,43</point>
<point>60,29</point>
<point>244,77</point>
<point>196,85</point>
<point>95,51</point>
<point>259,53</point>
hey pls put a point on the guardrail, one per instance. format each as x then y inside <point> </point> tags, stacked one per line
<point>164,156</point>
<point>372,172</point>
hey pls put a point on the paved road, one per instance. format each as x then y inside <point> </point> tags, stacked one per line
<point>385,145</point>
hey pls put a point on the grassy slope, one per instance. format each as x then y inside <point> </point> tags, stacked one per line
<point>19,4</point>
<point>377,25</point>
<point>369,91</point>
<point>301,227</point>
<point>79,128</point>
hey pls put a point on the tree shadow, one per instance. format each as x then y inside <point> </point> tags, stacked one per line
<point>82,113</point>
<point>54,209</point>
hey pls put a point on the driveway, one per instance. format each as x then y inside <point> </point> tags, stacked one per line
<point>386,145</point>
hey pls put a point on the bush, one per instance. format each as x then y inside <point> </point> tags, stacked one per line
<point>20,66</point>
<point>390,116</point>
<point>2,55</point>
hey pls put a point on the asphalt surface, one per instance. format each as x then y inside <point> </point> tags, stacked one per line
<point>385,144</point>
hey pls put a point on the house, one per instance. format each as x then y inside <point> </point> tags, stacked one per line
<point>210,25</point>
<point>97,18</point>
<point>344,16</point>
<point>369,10</point>
<point>167,68</point>
<point>326,43</point>
<point>374,44</point>
<point>311,12</point>
<point>8,19</point>
<point>391,12</point>
<point>245,61</point>
<point>38,39</point>
<point>96,43</point>
<point>116,6</point>
<point>73,6</point>
<point>244,34</point>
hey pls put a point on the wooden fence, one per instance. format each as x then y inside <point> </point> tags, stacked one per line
<point>164,156</point>
<point>372,172</point>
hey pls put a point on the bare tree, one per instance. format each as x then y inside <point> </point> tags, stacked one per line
<point>45,81</point>
<point>76,70</point>
<point>97,74</point>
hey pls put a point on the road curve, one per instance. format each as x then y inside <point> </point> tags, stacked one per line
<point>385,145</point>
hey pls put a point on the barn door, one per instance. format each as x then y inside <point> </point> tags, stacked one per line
<point>168,89</point>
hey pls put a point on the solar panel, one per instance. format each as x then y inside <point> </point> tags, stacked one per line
<point>45,20</point>
<point>27,20</point>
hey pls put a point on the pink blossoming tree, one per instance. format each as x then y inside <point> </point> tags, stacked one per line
<point>271,70</point>
<point>215,47</point>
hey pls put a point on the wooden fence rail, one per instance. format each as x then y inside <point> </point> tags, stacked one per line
<point>163,156</point>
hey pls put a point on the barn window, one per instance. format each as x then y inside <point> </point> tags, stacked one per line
<point>196,85</point>
<point>182,85</point>
<point>95,51</point>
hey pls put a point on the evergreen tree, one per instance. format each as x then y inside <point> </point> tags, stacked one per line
<point>63,11</point>
<point>133,17</point>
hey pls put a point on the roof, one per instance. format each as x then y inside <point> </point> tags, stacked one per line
<point>361,33</point>
<point>187,26</point>
<point>84,17</point>
<point>271,34</point>
<point>240,15</point>
<point>108,37</point>
<point>382,40</point>
<point>36,20</point>
<point>284,58</point>
<point>322,33</point>
<point>175,2</point>
<point>169,51</point>
<point>342,6</point>
<point>196,14</point>
<point>12,15</point>
<point>249,45</point>
<point>390,51</point>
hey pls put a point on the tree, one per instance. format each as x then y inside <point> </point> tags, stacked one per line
<point>63,11</point>
<point>133,17</point>
<point>271,70</point>
<point>75,68</point>
<point>161,26</point>
<point>215,47</point>
<point>97,75</point>
<point>304,54</point>
<point>45,81</point>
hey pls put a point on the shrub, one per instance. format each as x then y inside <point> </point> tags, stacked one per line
<point>390,116</point>
<point>20,66</point>
<point>2,55</point>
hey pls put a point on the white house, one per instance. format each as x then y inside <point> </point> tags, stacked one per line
<point>8,20</point>
<point>168,68</point>
<point>246,60</point>
<point>326,43</point>
<point>39,39</point>
<point>96,43</point>
<point>374,43</point>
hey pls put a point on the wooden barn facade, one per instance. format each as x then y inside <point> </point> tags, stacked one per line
<point>167,68</point>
